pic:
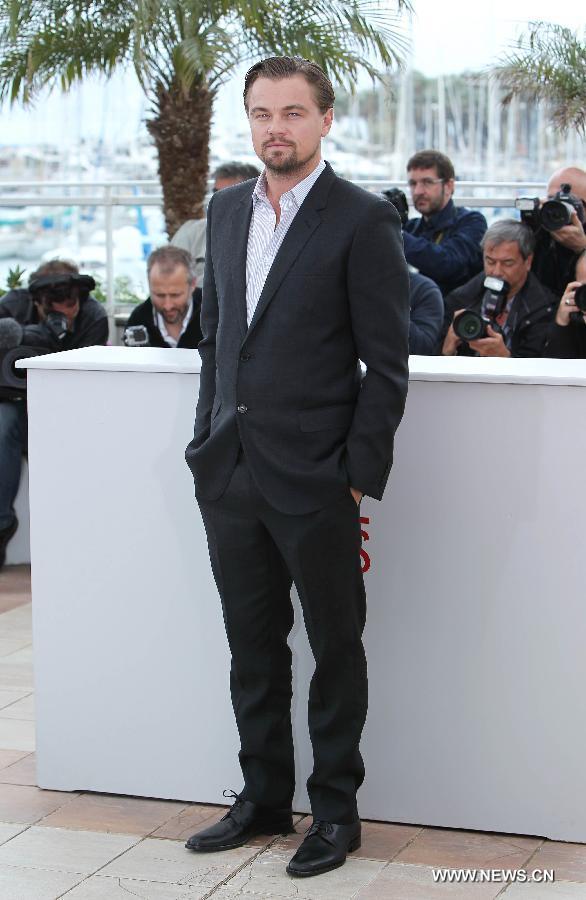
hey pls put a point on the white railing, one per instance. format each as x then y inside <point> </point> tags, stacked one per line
<point>111,194</point>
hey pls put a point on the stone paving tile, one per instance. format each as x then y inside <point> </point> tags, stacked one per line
<point>452,848</point>
<point>17,734</point>
<point>559,890</point>
<point>25,804</point>
<point>8,830</point>
<point>61,850</point>
<point>19,883</point>
<point>168,861</point>
<point>20,709</point>
<point>109,812</point>
<point>192,818</point>
<point>405,882</point>
<point>9,757</point>
<point>16,676</point>
<point>9,645</point>
<point>22,772</point>
<point>11,601</point>
<point>100,887</point>
<point>567,860</point>
<point>22,656</point>
<point>266,879</point>
<point>7,698</point>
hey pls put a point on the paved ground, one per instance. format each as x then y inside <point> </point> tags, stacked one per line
<point>88,846</point>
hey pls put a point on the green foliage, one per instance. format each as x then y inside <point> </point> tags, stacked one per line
<point>13,280</point>
<point>123,292</point>
<point>549,63</point>
<point>187,42</point>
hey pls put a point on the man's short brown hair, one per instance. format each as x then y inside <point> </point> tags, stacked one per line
<point>430,159</point>
<point>168,257</point>
<point>277,67</point>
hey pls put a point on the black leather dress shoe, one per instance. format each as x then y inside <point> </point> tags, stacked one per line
<point>243,821</point>
<point>324,848</point>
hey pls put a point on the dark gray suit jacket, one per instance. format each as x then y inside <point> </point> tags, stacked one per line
<point>289,388</point>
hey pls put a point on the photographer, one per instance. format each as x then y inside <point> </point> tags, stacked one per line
<point>557,250</point>
<point>444,243</point>
<point>55,313</point>
<point>514,309</point>
<point>567,335</point>
<point>171,314</point>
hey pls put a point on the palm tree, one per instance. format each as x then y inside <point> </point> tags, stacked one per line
<point>549,64</point>
<point>181,51</point>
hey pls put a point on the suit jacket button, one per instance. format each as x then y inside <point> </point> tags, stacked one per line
<point>242,408</point>
<point>244,357</point>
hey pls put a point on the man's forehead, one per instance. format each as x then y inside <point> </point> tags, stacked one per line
<point>431,172</point>
<point>504,249</point>
<point>280,92</point>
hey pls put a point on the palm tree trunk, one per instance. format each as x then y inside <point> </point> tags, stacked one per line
<point>181,132</point>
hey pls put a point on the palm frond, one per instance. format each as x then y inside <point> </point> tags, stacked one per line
<point>549,64</point>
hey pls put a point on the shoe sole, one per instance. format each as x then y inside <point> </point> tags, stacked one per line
<point>269,831</point>
<point>352,846</point>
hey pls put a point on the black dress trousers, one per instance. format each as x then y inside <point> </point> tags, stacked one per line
<point>256,553</point>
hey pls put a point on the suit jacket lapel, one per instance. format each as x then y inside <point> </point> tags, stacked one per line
<point>238,248</point>
<point>300,230</point>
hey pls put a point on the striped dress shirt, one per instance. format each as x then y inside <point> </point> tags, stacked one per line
<point>265,236</point>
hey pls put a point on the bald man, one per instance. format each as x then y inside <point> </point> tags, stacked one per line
<point>557,252</point>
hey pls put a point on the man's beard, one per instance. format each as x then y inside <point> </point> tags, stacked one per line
<point>285,164</point>
<point>174,317</point>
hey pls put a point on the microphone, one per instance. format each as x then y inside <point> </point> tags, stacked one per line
<point>10,333</point>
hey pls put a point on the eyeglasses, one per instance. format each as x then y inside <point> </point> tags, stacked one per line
<point>425,182</point>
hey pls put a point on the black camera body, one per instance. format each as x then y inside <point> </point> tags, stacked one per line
<point>399,200</point>
<point>553,214</point>
<point>580,298</point>
<point>470,325</point>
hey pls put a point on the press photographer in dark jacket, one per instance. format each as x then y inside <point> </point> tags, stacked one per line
<point>55,313</point>
<point>521,329</point>
<point>444,243</point>
<point>567,335</point>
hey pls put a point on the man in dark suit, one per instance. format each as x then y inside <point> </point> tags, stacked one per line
<point>305,276</point>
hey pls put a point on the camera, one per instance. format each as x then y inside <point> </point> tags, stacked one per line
<point>553,214</point>
<point>470,325</point>
<point>399,201</point>
<point>57,325</point>
<point>136,336</point>
<point>13,380</point>
<point>580,298</point>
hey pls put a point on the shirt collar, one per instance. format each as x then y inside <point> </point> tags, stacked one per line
<point>297,193</point>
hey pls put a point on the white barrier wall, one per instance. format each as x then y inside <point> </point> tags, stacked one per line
<point>476,626</point>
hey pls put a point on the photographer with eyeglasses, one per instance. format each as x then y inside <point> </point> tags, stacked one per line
<point>444,242</point>
<point>56,312</point>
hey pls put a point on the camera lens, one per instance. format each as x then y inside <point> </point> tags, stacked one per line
<point>580,298</point>
<point>469,326</point>
<point>556,214</point>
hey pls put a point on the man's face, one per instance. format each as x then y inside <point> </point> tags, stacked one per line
<point>506,261</point>
<point>286,124</point>
<point>428,191</point>
<point>581,269</point>
<point>170,292</point>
